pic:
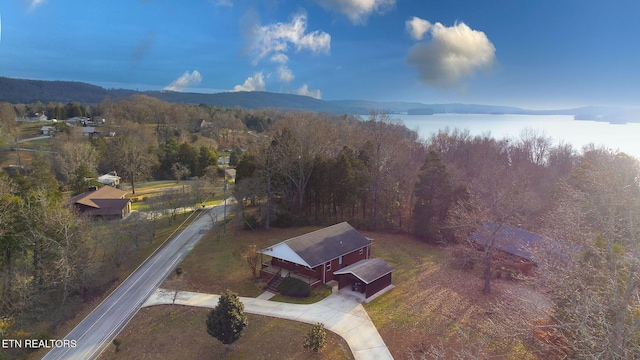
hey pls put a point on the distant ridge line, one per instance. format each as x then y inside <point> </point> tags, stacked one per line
<point>24,91</point>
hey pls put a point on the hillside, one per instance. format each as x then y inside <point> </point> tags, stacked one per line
<point>23,91</point>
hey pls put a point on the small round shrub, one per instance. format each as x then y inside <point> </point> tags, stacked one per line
<point>294,287</point>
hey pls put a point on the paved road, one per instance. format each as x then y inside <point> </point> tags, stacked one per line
<point>99,328</point>
<point>35,138</point>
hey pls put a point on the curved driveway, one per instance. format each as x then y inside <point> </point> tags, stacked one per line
<point>339,313</point>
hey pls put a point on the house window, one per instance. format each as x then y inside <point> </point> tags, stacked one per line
<point>361,251</point>
<point>328,265</point>
<point>340,260</point>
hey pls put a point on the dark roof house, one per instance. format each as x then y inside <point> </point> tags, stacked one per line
<point>509,239</point>
<point>106,202</point>
<point>337,252</point>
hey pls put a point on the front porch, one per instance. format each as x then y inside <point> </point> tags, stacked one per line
<point>273,273</point>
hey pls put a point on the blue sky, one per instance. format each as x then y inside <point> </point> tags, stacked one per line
<point>529,53</point>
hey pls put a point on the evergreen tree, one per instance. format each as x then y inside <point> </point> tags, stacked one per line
<point>227,320</point>
<point>206,157</point>
<point>434,197</point>
<point>188,155</point>
<point>235,157</point>
<point>316,339</point>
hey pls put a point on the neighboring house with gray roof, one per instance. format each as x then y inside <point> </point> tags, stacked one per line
<point>316,257</point>
<point>508,239</point>
<point>106,202</point>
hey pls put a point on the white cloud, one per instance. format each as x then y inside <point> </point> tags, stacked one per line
<point>451,54</point>
<point>417,27</point>
<point>34,3</point>
<point>221,3</point>
<point>304,90</point>
<point>280,58</point>
<point>358,11</point>
<point>253,83</point>
<point>186,80</point>
<point>277,38</point>
<point>285,74</point>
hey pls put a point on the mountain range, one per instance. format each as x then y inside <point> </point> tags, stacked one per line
<point>24,91</point>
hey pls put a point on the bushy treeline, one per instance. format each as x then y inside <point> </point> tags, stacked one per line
<point>323,169</point>
<point>377,174</point>
<point>43,246</point>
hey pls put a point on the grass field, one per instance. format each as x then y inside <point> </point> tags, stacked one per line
<point>179,332</point>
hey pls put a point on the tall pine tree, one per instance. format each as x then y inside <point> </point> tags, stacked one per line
<point>434,197</point>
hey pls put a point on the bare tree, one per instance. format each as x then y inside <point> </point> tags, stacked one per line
<point>132,155</point>
<point>498,196</point>
<point>71,151</point>
<point>384,137</point>
<point>595,226</point>
<point>180,171</point>
<point>251,258</point>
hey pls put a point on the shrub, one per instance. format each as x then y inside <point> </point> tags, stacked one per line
<point>316,339</point>
<point>283,219</point>
<point>294,287</point>
<point>117,342</point>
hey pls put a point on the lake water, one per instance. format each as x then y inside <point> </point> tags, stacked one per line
<point>623,137</point>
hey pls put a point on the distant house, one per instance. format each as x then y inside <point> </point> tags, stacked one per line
<point>517,246</point>
<point>337,252</point>
<point>111,179</point>
<point>47,130</point>
<point>87,130</point>
<point>39,117</point>
<point>199,124</point>
<point>106,202</point>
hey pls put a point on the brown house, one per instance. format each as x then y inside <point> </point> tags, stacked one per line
<point>106,202</point>
<point>337,252</point>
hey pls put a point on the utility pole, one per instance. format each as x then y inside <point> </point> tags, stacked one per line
<point>224,196</point>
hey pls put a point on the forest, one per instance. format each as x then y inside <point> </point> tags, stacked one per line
<point>300,168</point>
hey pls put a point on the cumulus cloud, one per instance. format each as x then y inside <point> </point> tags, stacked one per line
<point>253,83</point>
<point>186,80</point>
<point>276,39</point>
<point>358,11</point>
<point>285,74</point>
<point>275,42</point>
<point>304,90</point>
<point>417,27</point>
<point>450,54</point>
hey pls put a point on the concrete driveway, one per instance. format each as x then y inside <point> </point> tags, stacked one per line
<point>341,314</point>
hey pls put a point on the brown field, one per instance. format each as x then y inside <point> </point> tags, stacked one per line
<point>179,332</point>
